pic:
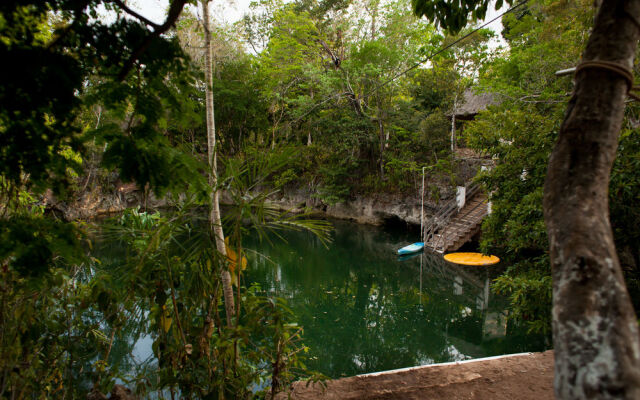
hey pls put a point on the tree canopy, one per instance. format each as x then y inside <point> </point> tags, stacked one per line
<point>328,100</point>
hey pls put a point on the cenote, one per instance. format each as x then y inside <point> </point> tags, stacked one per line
<point>364,309</point>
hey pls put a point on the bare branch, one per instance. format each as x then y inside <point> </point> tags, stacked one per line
<point>334,58</point>
<point>131,12</point>
<point>174,12</point>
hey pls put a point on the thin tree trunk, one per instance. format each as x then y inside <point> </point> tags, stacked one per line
<point>309,128</point>
<point>374,14</point>
<point>595,330</point>
<point>453,126</point>
<point>214,215</point>
<point>382,146</point>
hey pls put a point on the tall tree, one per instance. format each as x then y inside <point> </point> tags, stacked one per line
<point>597,346</point>
<point>594,325</point>
<point>214,214</point>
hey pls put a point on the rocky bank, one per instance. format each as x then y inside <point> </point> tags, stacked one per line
<point>375,209</point>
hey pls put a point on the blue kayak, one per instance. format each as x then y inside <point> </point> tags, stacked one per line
<point>412,248</point>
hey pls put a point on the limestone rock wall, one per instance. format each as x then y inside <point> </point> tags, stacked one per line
<point>375,209</point>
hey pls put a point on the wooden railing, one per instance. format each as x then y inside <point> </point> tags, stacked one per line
<point>441,244</point>
<point>440,220</point>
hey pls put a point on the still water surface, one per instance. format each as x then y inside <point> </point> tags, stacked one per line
<point>363,309</point>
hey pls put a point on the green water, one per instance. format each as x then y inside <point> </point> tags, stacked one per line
<point>365,310</point>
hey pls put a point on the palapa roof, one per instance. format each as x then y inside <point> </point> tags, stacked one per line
<point>474,103</point>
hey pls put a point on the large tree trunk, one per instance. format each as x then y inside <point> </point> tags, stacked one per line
<point>595,330</point>
<point>214,215</point>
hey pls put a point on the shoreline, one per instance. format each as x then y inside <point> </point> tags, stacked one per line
<point>377,209</point>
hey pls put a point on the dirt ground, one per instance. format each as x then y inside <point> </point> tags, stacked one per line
<point>522,377</point>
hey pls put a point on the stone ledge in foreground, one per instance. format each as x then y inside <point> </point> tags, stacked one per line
<point>519,376</point>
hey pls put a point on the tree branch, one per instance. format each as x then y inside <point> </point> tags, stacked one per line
<point>131,12</point>
<point>174,12</point>
<point>334,58</point>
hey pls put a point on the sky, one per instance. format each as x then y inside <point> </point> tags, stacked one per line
<point>227,10</point>
<point>232,10</point>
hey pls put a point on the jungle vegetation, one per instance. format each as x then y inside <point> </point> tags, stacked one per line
<point>324,96</point>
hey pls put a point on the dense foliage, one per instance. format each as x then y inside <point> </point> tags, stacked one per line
<point>358,132</point>
<point>328,98</point>
<point>328,81</point>
<point>116,97</point>
<point>544,37</point>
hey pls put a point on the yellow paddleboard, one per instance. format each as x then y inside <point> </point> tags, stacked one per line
<point>471,259</point>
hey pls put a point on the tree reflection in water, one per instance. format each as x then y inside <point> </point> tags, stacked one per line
<point>365,310</point>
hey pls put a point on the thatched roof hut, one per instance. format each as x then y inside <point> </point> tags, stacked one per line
<point>474,103</point>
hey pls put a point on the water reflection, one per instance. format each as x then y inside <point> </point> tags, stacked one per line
<point>366,310</point>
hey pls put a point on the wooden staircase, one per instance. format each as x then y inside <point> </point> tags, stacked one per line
<point>450,228</point>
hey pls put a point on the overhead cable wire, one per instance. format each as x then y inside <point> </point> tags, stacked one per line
<point>419,63</point>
